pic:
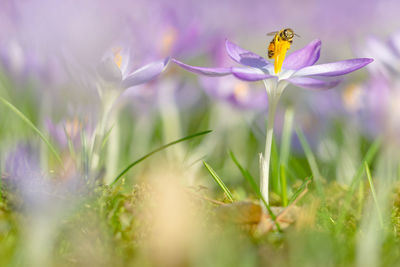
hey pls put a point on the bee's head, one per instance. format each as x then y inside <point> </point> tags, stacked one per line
<point>288,33</point>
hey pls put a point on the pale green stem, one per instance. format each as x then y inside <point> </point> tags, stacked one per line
<point>272,105</point>
<point>112,152</point>
<point>286,136</point>
<point>274,90</point>
<point>170,117</point>
<point>108,100</point>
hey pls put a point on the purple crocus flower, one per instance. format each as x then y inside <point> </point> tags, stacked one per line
<point>44,199</point>
<point>380,95</point>
<point>69,130</point>
<point>239,94</point>
<point>116,68</point>
<point>236,93</point>
<point>298,69</point>
<point>114,75</point>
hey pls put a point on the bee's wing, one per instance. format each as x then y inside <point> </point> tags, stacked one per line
<point>272,33</point>
<point>297,35</point>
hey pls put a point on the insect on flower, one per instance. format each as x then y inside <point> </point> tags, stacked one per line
<point>279,45</point>
<point>298,69</point>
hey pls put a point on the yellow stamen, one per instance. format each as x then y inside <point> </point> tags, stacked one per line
<point>73,127</point>
<point>168,40</point>
<point>117,56</point>
<point>351,96</point>
<point>241,90</point>
<point>281,47</point>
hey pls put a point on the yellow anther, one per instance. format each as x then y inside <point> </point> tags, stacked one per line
<point>117,56</point>
<point>241,90</point>
<point>352,97</point>
<point>281,48</point>
<point>73,127</point>
<point>168,40</point>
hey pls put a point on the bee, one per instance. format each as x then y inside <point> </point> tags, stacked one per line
<point>284,36</point>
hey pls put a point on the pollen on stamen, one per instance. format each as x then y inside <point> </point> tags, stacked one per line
<point>117,56</point>
<point>73,127</point>
<point>281,50</point>
<point>241,90</point>
<point>168,40</point>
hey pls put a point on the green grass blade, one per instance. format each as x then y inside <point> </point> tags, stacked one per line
<point>283,186</point>
<point>372,151</point>
<point>106,137</point>
<point>70,143</point>
<point>157,150</point>
<point>1,184</point>
<point>297,168</point>
<point>274,167</point>
<point>369,156</point>
<point>286,136</point>
<point>246,174</point>
<point>32,126</point>
<point>371,184</point>
<point>311,161</point>
<point>256,189</point>
<point>302,187</point>
<point>219,181</point>
<point>85,155</point>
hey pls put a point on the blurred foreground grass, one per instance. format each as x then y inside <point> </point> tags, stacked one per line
<point>164,223</point>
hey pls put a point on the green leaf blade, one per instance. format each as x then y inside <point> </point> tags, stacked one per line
<point>219,181</point>
<point>122,173</point>
<point>33,127</point>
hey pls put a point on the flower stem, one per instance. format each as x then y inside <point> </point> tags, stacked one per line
<point>108,100</point>
<point>273,103</point>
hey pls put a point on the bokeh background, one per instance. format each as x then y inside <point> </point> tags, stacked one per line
<point>50,53</point>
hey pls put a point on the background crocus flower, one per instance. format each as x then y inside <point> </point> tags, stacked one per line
<point>115,68</point>
<point>380,95</point>
<point>45,201</point>
<point>116,76</point>
<point>298,69</point>
<point>236,93</point>
<point>69,130</point>
<point>239,94</point>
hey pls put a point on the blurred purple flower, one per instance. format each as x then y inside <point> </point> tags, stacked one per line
<point>235,92</point>
<point>23,63</point>
<point>231,90</point>
<point>115,68</point>
<point>386,55</point>
<point>45,201</point>
<point>381,94</point>
<point>68,131</point>
<point>24,176</point>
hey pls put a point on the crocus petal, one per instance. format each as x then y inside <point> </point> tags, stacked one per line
<point>145,74</point>
<point>304,57</point>
<point>335,68</point>
<point>395,43</point>
<point>213,72</point>
<point>250,75</point>
<point>109,71</point>
<point>245,57</point>
<point>313,84</point>
<point>126,60</point>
